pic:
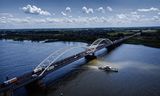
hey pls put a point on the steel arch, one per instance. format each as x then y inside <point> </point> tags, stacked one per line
<point>97,42</point>
<point>46,63</point>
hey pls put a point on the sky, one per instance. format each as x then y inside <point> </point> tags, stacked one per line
<point>19,14</point>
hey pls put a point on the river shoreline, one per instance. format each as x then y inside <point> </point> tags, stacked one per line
<point>148,37</point>
<point>133,40</point>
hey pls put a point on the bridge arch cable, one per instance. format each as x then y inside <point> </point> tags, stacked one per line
<point>46,63</point>
<point>49,58</point>
<point>97,42</point>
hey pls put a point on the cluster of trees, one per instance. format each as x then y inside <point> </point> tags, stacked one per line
<point>149,38</point>
<point>88,35</point>
<point>151,35</point>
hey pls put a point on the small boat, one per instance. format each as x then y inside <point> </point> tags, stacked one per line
<point>108,69</point>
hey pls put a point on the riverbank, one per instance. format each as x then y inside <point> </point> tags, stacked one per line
<point>148,37</point>
<point>144,41</point>
<point>151,39</point>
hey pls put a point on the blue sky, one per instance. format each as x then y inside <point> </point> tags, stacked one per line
<point>78,13</point>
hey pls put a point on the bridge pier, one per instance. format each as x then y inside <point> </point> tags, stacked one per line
<point>90,57</point>
<point>36,86</point>
<point>110,48</point>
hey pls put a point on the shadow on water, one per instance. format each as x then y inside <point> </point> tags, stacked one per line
<point>138,75</point>
<point>61,79</point>
<point>54,81</point>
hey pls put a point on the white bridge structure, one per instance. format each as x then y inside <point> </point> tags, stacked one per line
<point>51,59</point>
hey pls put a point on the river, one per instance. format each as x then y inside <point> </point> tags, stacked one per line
<point>138,66</point>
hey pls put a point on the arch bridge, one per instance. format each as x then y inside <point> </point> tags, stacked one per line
<point>49,63</point>
<point>54,62</point>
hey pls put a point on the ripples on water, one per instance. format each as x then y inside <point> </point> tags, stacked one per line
<point>138,75</point>
<point>18,57</point>
<point>139,69</point>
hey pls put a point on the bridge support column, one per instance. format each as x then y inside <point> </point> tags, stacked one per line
<point>110,48</point>
<point>36,86</point>
<point>90,57</point>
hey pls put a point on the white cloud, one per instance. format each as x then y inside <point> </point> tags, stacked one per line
<point>156,18</point>
<point>17,20</point>
<point>109,8</point>
<point>101,9</point>
<point>84,9</point>
<point>134,13</point>
<point>87,10</point>
<point>159,13</point>
<point>64,14</point>
<point>148,10</point>
<point>121,16</point>
<point>130,18</point>
<point>2,20</point>
<point>68,9</point>
<point>118,19</point>
<point>35,10</point>
<point>70,16</point>
<point>90,10</point>
<point>6,14</point>
<point>78,20</point>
